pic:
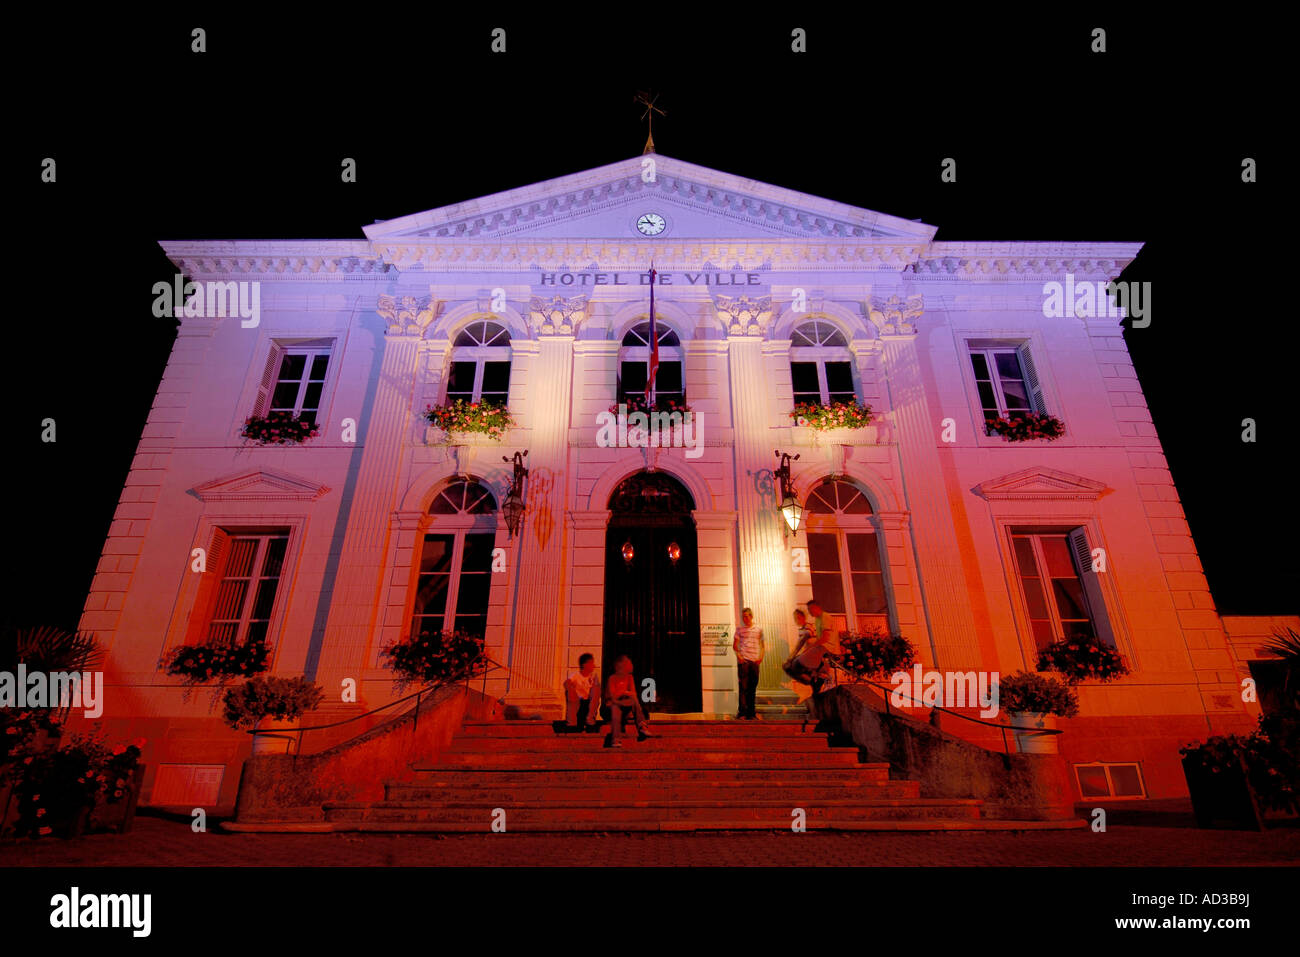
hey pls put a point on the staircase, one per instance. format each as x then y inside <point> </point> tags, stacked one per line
<point>700,774</point>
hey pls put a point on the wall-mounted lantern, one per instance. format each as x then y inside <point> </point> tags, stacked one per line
<point>513,507</point>
<point>628,552</point>
<point>674,553</point>
<point>790,508</point>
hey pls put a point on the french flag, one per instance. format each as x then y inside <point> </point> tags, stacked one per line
<point>652,367</point>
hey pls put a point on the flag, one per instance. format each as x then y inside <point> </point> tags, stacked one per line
<point>652,365</point>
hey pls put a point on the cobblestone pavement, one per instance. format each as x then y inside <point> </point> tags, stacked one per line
<point>1142,840</point>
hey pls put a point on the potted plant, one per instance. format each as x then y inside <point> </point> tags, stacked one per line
<point>278,428</point>
<point>821,416</point>
<point>1023,426</point>
<point>269,703</point>
<point>1082,659</point>
<point>461,418</point>
<point>436,657</point>
<point>200,664</point>
<point>875,654</point>
<point>1033,702</point>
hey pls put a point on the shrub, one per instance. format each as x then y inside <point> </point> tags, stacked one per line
<point>1082,659</point>
<point>199,664</point>
<point>439,657</point>
<point>268,696</point>
<point>874,654</point>
<point>1022,692</point>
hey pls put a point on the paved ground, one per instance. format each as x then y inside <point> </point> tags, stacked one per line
<point>1161,836</point>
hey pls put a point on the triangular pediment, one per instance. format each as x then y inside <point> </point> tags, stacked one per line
<point>259,484</point>
<point>695,202</point>
<point>1041,483</point>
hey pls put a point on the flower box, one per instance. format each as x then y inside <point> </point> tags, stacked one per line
<point>1026,426</point>
<point>460,418</point>
<point>824,416</point>
<point>278,428</point>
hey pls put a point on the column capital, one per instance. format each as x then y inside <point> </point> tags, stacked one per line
<point>407,316</point>
<point>894,521</point>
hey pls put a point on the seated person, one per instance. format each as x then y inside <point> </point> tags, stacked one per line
<point>620,695</point>
<point>581,696</point>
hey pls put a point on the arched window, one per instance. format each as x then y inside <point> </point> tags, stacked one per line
<point>844,556</point>
<point>821,366</point>
<point>634,363</point>
<point>480,364</point>
<point>455,573</point>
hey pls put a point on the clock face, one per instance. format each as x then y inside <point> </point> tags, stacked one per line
<point>651,224</point>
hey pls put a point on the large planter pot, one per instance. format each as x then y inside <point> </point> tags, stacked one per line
<point>1224,796</point>
<point>120,815</point>
<point>1028,743</point>
<point>278,741</point>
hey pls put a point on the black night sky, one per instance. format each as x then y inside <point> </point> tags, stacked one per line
<point>1053,142</point>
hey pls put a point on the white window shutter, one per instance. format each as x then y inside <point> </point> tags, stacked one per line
<point>1092,588</point>
<point>269,376</point>
<point>1031,378</point>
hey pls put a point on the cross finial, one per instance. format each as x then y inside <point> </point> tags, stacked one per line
<point>648,101</point>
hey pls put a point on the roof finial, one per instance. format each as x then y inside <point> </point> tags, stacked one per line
<point>648,102</point>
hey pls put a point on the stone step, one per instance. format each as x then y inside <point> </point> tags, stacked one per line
<point>514,729</point>
<point>700,814</point>
<point>634,755</point>
<point>565,743</point>
<point>429,775</point>
<point>633,792</point>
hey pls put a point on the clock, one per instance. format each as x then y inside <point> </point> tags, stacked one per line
<point>651,224</point>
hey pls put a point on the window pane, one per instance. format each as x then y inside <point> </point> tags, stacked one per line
<point>265,599</point>
<point>1056,553</point>
<point>477,554</point>
<point>230,599</point>
<point>436,556</point>
<point>472,598</point>
<point>318,366</point>
<point>804,377</point>
<point>472,624</point>
<point>1043,634</point>
<point>988,401</point>
<point>852,501</point>
<point>1092,782</point>
<point>1015,393</point>
<point>864,556</point>
<point>1077,629</point>
<point>839,378</point>
<point>1025,557</point>
<point>285,396</point>
<point>823,553</point>
<point>275,549</point>
<point>292,366</point>
<point>830,589</point>
<point>1126,780</point>
<point>980,364</point>
<point>1069,598</point>
<point>669,377</point>
<point>242,551</point>
<point>1034,598</point>
<point>311,398</point>
<point>869,593</point>
<point>496,377</point>
<point>430,623</point>
<point>633,377</point>
<point>1008,366</point>
<point>431,595</point>
<point>460,382</point>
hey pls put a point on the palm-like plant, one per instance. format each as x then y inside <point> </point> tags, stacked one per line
<point>50,649</point>
<point>1287,647</point>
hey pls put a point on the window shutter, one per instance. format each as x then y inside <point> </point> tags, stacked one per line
<point>1091,587</point>
<point>1031,378</point>
<point>269,375</point>
<point>218,550</point>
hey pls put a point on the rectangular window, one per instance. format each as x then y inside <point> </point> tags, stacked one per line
<point>448,580</point>
<point>822,381</point>
<point>668,380</point>
<point>848,579</point>
<point>478,380</point>
<point>293,380</point>
<point>1051,586</point>
<point>1110,780</point>
<point>245,595</point>
<point>807,388</point>
<point>1006,380</point>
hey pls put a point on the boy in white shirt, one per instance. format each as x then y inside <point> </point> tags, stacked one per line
<point>582,696</point>
<point>748,645</point>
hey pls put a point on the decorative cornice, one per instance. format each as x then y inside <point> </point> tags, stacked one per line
<point>259,485</point>
<point>896,315</point>
<point>1038,483</point>
<point>558,315</point>
<point>288,259</point>
<point>1020,261</point>
<point>407,315</point>
<point>743,316</point>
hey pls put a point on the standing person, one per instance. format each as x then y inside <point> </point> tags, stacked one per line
<point>817,614</point>
<point>620,694</point>
<point>748,645</point>
<point>581,694</point>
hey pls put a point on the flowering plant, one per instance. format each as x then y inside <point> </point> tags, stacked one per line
<point>490,418</point>
<point>278,428</point>
<point>438,657</point>
<point>1022,693</point>
<point>831,415</point>
<point>1271,755</point>
<point>637,403</point>
<point>1082,659</point>
<point>269,696</point>
<point>18,733</point>
<point>1023,426</point>
<point>198,664</point>
<point>874,654</point>
<point>55,786</point>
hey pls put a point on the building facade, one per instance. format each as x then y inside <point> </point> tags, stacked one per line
<point>975,548</point>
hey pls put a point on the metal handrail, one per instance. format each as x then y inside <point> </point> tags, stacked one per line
<point>1004,728</point>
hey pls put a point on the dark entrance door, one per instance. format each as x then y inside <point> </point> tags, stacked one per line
<point>652,589</point>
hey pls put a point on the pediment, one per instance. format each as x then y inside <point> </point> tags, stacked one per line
<point>606,202</point>
<point>260,485</point>
<point>1041,483</point>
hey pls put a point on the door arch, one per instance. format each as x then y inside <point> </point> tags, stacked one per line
<point>652,589</point>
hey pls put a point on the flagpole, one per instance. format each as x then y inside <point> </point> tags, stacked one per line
<point>652,359</point>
